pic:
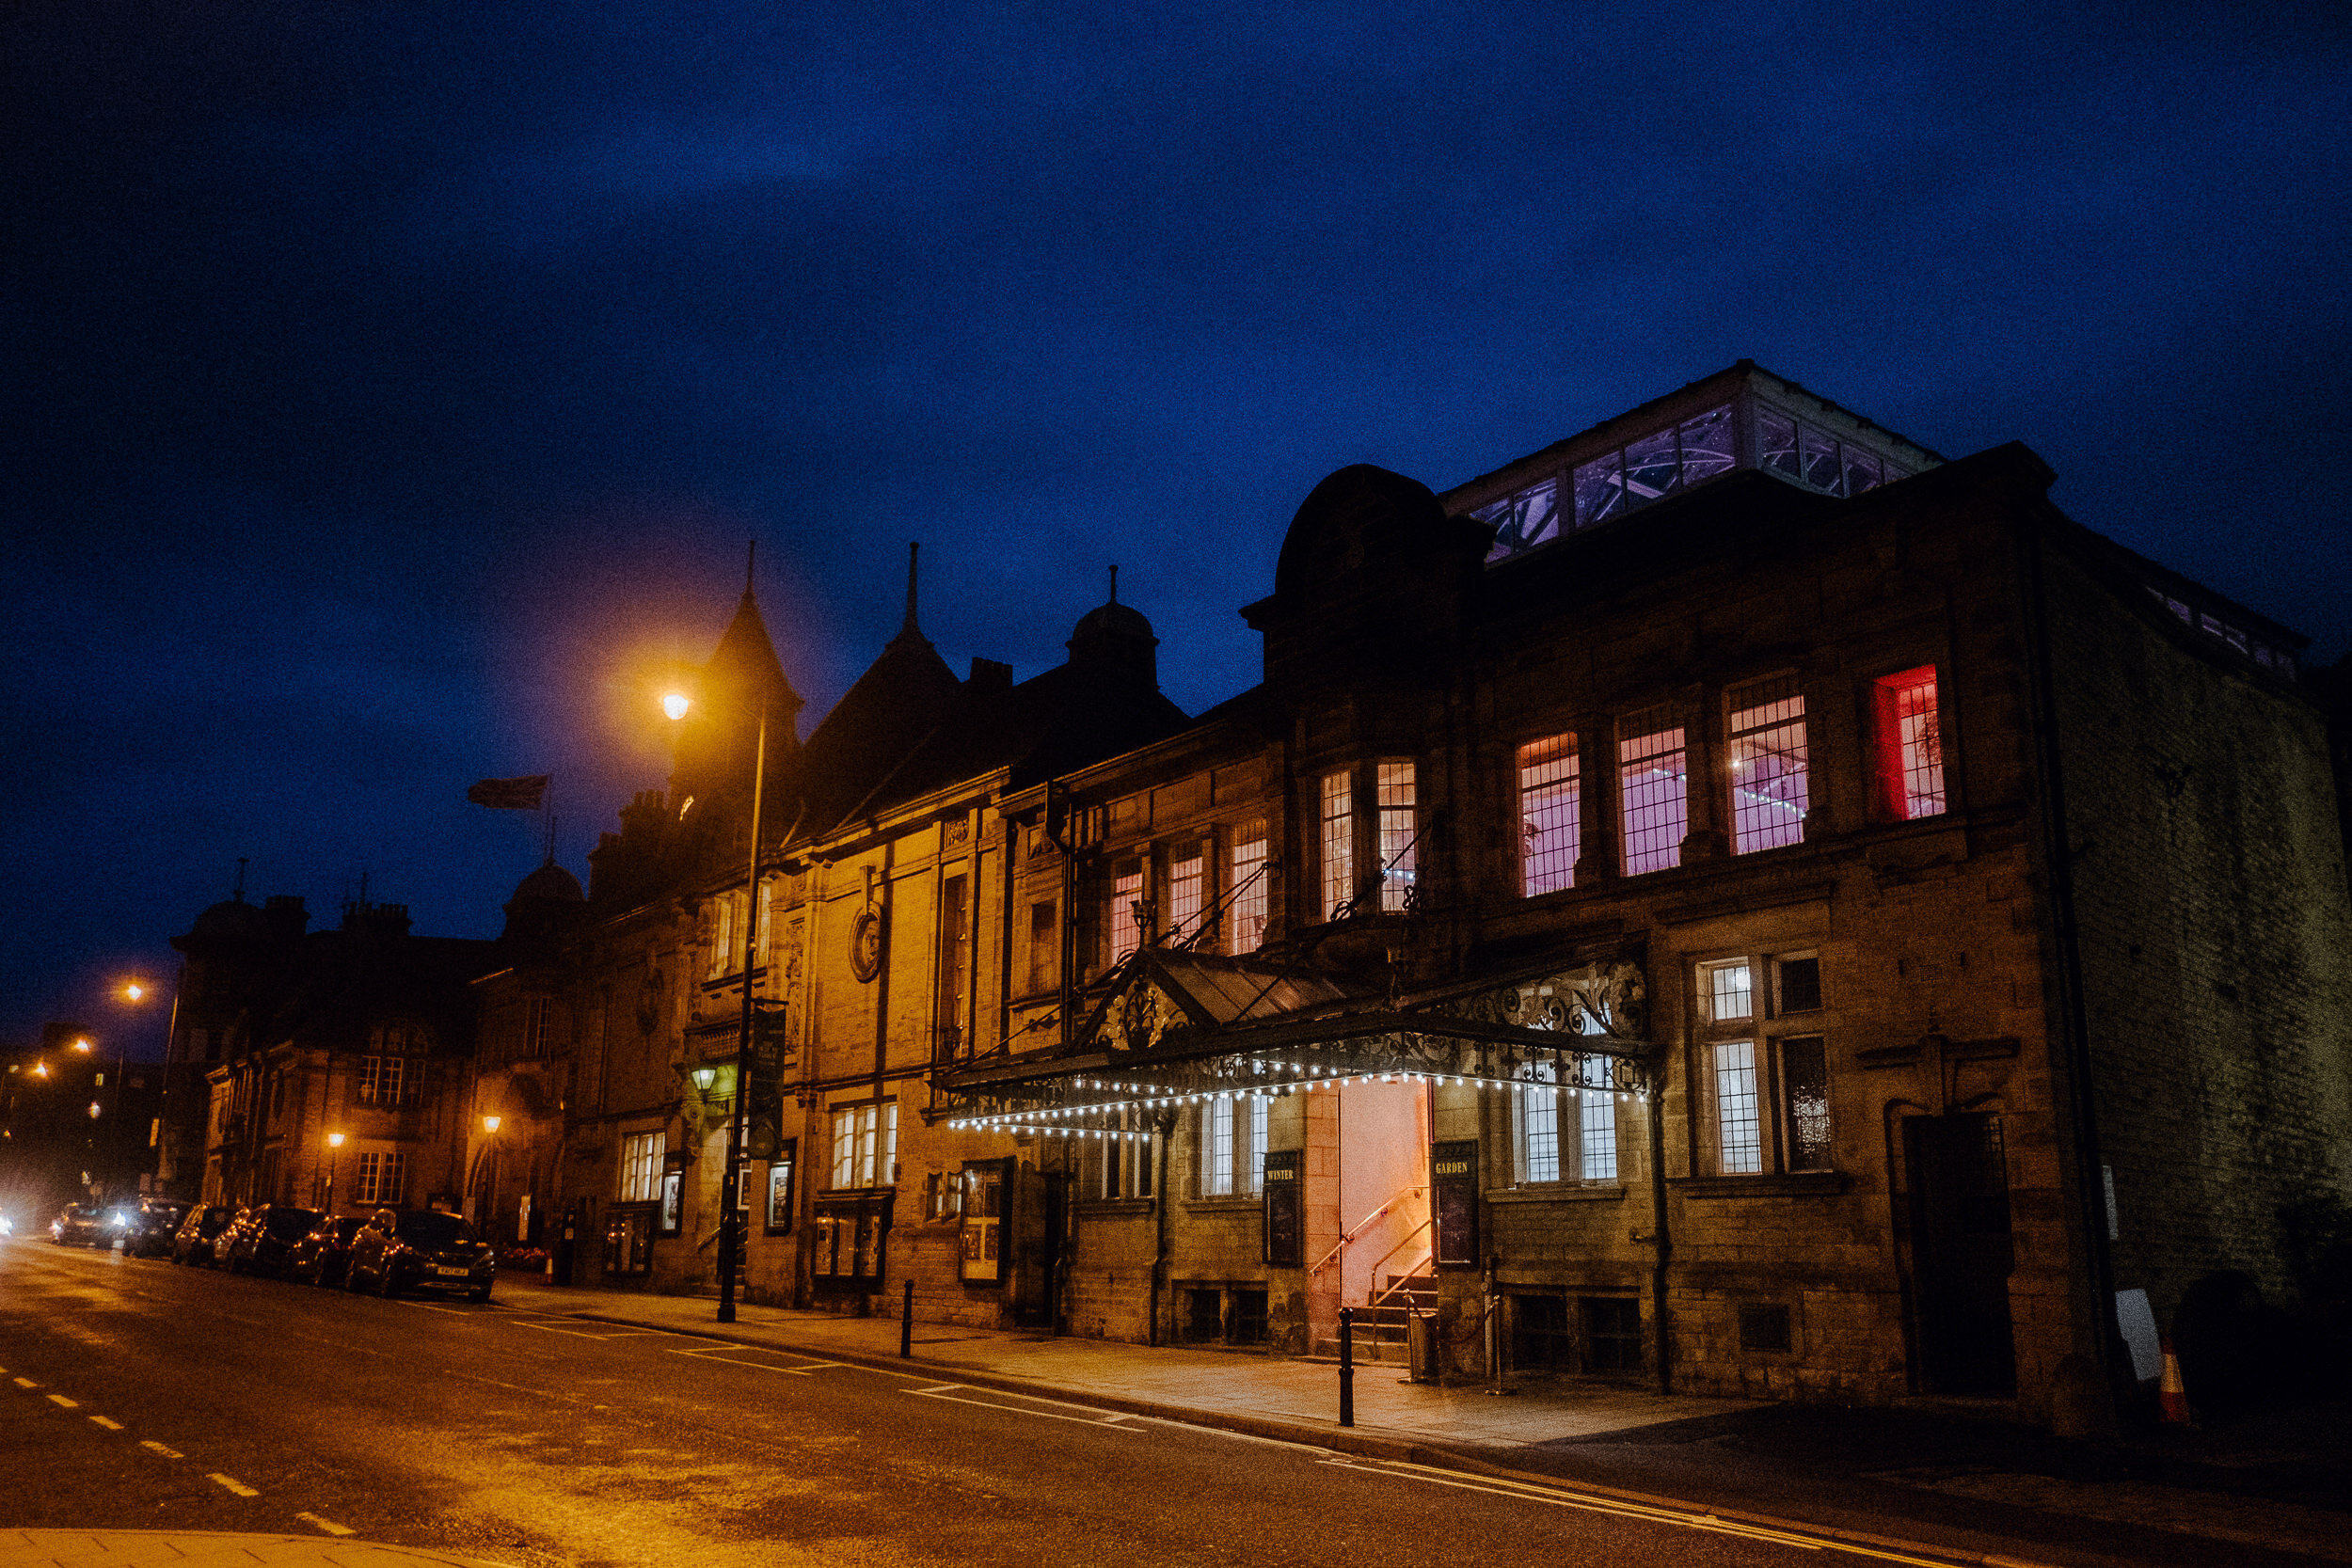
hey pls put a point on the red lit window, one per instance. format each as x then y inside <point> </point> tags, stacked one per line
<point>1910,745</point>
<point>1549,814</point>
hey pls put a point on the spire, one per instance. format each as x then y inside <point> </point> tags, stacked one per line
<point>914,553</point>
<point>1114,583</point>
<point>750,555</point>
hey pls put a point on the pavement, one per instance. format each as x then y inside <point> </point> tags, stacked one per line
<point>2276,1485</point>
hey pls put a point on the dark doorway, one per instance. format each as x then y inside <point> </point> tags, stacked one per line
<point>1961,1253</point>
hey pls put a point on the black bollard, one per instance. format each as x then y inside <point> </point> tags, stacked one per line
<point>1347,1366</point>
<point>906,1325</point>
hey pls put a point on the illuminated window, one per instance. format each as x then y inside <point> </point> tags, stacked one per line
<point>1127,892</point>
<point>866,1143</point>
<point>1399,834</point>
<point>1233,1146</point>
<point>1338,841</point>
<point>1185,882</point>
<point>1247,911</point>
<point>726,912</point>
<point>1549,816</point>
<point>385,1082</point>
<point>1769,1084</point>
<point>1768,765</point>
<point>1216,1147</point>
<point>1814,458</point>
<point>1651,791</point>
<point>535,1026</point>
<point>1657,465</point>
<point>1566,1118</point>
<point>1909,745</point>
<point>640,1168</point>
<point>1524,520</point>
<point>382,1177</point>
<point>1123,1167</point>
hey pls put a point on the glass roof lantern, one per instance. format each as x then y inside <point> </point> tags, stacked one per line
<point>1742,418</point>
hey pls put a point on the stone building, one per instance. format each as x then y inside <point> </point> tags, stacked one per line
<point>321,1069</point>
<point>1732,899</point>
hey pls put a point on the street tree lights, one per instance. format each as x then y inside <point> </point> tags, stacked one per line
<point>334,1148</point>
<point>676,704</point>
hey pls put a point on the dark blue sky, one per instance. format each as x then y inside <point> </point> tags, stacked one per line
<point>390,388</point>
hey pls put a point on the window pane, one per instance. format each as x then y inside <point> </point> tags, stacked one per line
<point>1126,888</point>
<point>1861,471</point>
<point>1254,1175</point>
<point>1399,832</point>
<point>1821,458</point>
<point>1651,786</point>
<point>1730,996</point>
<point>1800,985</point>
<point>1184,892</point>
<point>1549,818</point>
<point>1216,1147</point>
<point>1919,737</point>
<point>1741,1139</point>
<point>1522,521</point>
<point>1249,889</point>
<point>1804,1082</point>
<point>1599,490</point>
<point>1339,843</point>
<point>1044,948</point>
<point>1776,438</point>
<point>1652,469</point>
<point>1707,449</point>
<point>1597,1119</point>
<point>1768,765</point>
<point>1539,1124</point>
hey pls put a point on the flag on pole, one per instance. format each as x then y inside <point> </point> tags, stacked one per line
<point>523,794</point>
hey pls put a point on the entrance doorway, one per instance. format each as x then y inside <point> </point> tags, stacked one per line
<point>1962,1253</point>
<point>1367,1209</point>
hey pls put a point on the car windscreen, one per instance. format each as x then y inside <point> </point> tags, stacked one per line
<point>289,1224</point>
<point>433,1230</point>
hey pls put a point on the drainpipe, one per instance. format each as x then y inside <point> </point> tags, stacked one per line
<point>2074,1017</point>
<point>1661,1244</point>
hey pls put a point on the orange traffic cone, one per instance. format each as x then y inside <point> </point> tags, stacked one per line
<point>2172,1398</point>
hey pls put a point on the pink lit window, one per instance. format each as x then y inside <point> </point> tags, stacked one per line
<point>1652,786</point>
<point>1127,889</point>
<point>1399,832</point>
<point>1339,842</point>
<point>1768,765</point>
<point>1249,889</point>
<point>1549,826</point>
<point>1910,745</point>
<point>1184,892</point>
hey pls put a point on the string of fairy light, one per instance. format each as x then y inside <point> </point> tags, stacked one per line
<point>1070,1121</point>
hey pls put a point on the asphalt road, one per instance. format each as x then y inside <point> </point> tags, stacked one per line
<point>136,1395</point>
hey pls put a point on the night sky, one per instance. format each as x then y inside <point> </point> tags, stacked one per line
<point>391,388</point>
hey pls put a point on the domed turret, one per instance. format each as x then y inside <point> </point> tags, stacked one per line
<point>1116,641</point>
<point>544,904</point>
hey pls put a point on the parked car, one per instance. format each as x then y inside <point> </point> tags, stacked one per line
<point>323,1256</point>
<point>193,1243</point>
<point>260,1241</point>
<point>420,1249</point>
<point>83,1225</point>
<point>149,1226</point>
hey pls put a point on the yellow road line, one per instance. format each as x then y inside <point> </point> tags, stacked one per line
<point>232,1483</point>
<point>110,1426</point>
<point>327,1525</point>
<point>64,1403</point>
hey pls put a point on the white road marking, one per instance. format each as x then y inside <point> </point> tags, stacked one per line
<point>110,1426</point>
<point>567,1327</point>
<point>737,1361</point>
<point>1564,1497</point>
<point>1240,1436</point>
<point>232,1483</point>
<point>327,1525</point>
<point>943,1389</point>
<point>1016,1410</point>
<point>428,1307</point>
<point>1119,1416</point>
<point>64,1403</point>
<point>168,1453</point>
<point>26,1383</point>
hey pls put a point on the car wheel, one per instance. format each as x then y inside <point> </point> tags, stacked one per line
<point>351,1280</point>
<point>479,1296</point>
<point>391,1288</point>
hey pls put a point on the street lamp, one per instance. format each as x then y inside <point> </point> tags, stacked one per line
<point>676,706</point>
<point>334,1148</point>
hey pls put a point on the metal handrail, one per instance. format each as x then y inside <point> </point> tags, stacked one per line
<point>1372,1296</point>
<point>1363,1225</point>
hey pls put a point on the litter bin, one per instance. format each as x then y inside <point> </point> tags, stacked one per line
<point>1421,1347</point>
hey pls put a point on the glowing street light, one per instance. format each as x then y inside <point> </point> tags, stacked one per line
<point>334,1148</point>
<point>676,705</point>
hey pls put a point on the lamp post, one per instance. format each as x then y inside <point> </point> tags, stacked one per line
<point>110,1139</point>
<point>334,1148</point>
<point>730,1211</point>
<point>485,1169</point>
